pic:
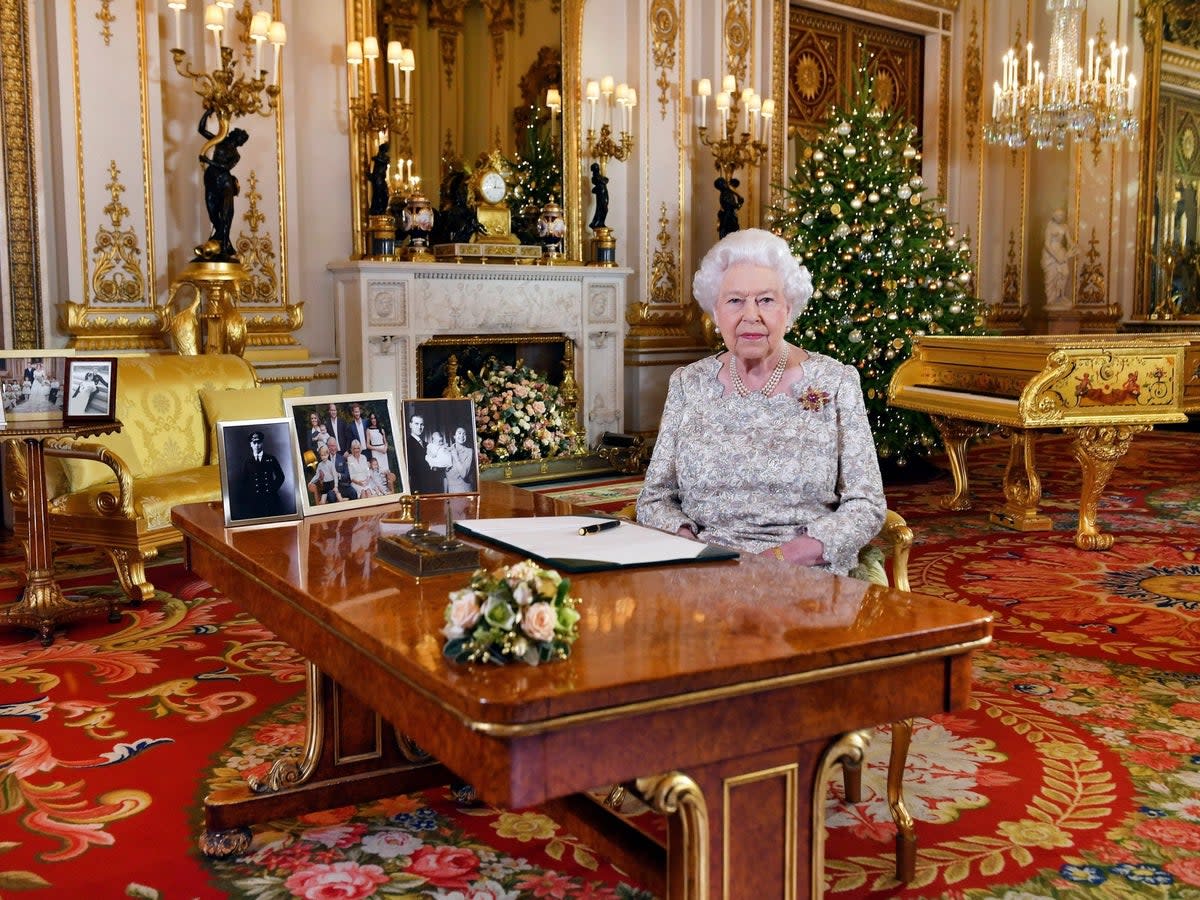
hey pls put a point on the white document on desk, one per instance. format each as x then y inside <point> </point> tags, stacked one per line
<point>556,541</point>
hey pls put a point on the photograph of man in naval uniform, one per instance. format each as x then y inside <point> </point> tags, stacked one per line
<point>258,480</point>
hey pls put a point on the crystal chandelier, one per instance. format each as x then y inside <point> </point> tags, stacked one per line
<point>1044,106</point>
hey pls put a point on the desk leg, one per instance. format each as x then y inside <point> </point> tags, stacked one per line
<point>746,829</point>
<point>1098,448</point>
<point>350,755</point>
<point>42,604</point>
<point>955,435</point>
<point>1022,486</point>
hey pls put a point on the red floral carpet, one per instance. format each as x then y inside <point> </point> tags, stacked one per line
<point>1075,773</point>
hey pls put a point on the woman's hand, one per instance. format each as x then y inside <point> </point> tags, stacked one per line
<point>802,550</point>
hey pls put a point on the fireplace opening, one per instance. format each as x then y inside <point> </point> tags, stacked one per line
<point>542,352</point>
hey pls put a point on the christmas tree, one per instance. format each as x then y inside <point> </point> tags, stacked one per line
<point>537,172</point>
<point>884,262</point>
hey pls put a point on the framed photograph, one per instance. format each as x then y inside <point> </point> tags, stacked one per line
<point>31,383</point>
<point>259,480</point>
<point>91,389</point>
<point>347,448</point>
<point>440,446</point>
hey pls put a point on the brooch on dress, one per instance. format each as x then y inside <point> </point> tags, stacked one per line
<point>813,400</point>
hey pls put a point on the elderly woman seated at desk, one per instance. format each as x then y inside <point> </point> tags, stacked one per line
<point>766,446</point>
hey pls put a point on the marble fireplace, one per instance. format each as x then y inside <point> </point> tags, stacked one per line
<point>386,312</point>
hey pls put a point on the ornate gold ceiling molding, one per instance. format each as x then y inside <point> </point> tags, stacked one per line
<point>20,176</point>
<point>907,12</point>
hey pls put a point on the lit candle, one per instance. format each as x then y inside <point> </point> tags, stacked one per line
<point>259,26</point>
<point>1112,56</point>
<point>179,6</point>
<point>704,89</point>
<point>729,84</point>
<point>1124,54</point>
<point>406,66</point>
<point>214,21</point>
<point>747,93</point>
<point>554,104</point>
<point>1091,59</point>
<point>277,35</point>
<point>1129,95</point>
<point>768,113</point>
<point>1029,63</point>
<point>410,175</point>
<point>370,54</point>
<point>395,56</point>
<point>723,109</point>
<point>755,105</point>
<point>995,99</point>
<point>630,103</point>
<point>354,59</point>
<point>593,94</point>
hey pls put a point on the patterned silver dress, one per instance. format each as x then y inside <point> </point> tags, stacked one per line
<point>753,472</point>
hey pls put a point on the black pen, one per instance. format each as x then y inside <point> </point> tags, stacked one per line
<point>600,526</point>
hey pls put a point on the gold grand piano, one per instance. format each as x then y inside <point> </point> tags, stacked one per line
<point>1100,389</point>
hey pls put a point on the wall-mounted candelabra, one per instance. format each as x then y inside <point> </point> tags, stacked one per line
<point>620,99</point>
<point>380,133</point>
<point>733,149</point>
<point>215,272</point>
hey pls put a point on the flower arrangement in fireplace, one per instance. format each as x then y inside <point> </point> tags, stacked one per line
<point>519,415</point>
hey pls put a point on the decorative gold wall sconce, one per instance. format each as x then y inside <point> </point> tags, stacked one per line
<point>602,149</point>
<point>733,149</point>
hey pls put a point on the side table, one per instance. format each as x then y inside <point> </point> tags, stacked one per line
<point>42,604</point>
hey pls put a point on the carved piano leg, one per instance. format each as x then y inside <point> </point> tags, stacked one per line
<point>955,435</point>
<point>1098,448</point>
<point>1022,487</point>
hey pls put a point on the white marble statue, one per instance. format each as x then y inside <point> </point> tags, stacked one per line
<point>1057,252</point>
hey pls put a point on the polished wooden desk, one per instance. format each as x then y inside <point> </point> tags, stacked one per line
<point>719,688</point>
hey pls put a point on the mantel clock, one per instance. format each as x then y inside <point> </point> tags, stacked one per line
<point>489,191</point>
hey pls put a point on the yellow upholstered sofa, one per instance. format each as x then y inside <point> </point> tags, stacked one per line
<point>116,492</point>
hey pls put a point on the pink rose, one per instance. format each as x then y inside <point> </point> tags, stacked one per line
<point>336,881</point>
<point>539,621</point>
<point>464,609</point>
<point>451,867</point>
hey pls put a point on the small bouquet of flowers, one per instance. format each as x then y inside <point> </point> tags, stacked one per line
<point>518,414</point>
<point>514,612</point>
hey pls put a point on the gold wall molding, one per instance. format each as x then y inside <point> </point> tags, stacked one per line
<point>737,40</point>
<point>106,18</point>
<point>973,83</point>
<point>664,25</point>
<point>257,250</point>
<point>116,268</point>
<point>20,176</point>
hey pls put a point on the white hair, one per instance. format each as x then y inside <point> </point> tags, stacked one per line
<point>755,247</point>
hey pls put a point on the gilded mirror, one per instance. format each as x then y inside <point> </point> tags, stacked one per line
<point>1168,245</point>
<point>482,68</point>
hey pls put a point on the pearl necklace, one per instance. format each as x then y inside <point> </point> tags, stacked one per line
<point>776,375</point>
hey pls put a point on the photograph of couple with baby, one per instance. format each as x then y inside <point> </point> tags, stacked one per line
<point>440,446</point>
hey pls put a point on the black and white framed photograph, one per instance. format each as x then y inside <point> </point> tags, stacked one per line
<point>348,450</point>
<point>91,389</point>
<point>31,383</point>
<point>440,446</point>
<point>259,480</point>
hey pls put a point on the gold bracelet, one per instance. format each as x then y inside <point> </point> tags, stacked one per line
<point>779,553</point>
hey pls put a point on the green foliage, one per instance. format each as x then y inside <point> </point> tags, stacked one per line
<point>884,262</point>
